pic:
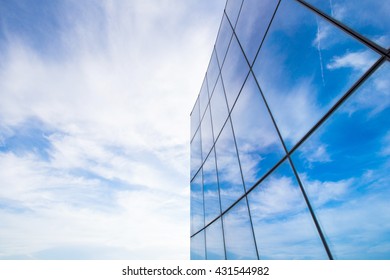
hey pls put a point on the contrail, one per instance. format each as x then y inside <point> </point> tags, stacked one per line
<point>319,51</point>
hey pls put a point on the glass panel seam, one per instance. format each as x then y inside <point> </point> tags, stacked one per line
<point>265,34</point>
<point>220,204</point>
<point>243,183</point>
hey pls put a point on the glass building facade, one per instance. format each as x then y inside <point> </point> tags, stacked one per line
<point>290,137</point>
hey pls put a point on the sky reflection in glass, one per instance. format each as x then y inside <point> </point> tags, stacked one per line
<point>368,17</point>
<point>219,109</point>
<point>224,36</point>
<point>207,133</point>
<point>252,24</point>
<point>212,72</point>
<point>210,186</point>
<point>196,154</point>
<point>239,241</point>
<point>304,66</point>
<point>278,207</point>
<point>258,143</point>
<point>344,167</point>
<point>198,251</point>
<point>229,174</point>
<point>195,120</point>
<point>316,100</point>
<point>234,71</point>
<point>215,249</point>
<point>197,212</point>
<point>232,10</point>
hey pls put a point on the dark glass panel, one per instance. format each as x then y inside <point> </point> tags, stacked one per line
<point>214,245</point>
<point>229,174</point>
<point>304,66</point>
<point>258,143</point>
<point>234,71</point>
<point>278,207</point>
<point>198,251</point>
<point>219,109</point>
<point>254,19</point>
<point>210,186</point>
<point>239,241</point>
<point>197,212</point>
<point>344,167</point>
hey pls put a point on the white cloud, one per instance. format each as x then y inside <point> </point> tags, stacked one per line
<point>116,95</point>
<point>356,60</point>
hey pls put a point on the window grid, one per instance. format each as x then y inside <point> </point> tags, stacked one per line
<point>385,57</point>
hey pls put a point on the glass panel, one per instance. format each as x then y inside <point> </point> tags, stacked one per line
<point>212,71</point>
<point>254,19</point>
<point>198,251</point>
<point>258,143</point>
<point>304,66</point>
<point>197,212</point>
<point>232,10</point>
<point>344,167</point>
<point>368,17</point>
<point>219,109</point>
<point>239,241</point>
<point>203,97</point>
<point>224,35</point>
<point>196,154</point>
<point>277,207</point>
<point>228,168</point>
<point>195,121</point>
<point>207,133</point>
<point>214,241</point>
<point>234,71</point>
<point>211,193</point>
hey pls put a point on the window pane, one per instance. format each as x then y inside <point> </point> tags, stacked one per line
<point>232,10</point>
<point>219,109</point>
<point>207,133</point>
<point>198,251</point>
<point>211,193</point>
<point>278,207</point>
<point>224,35</point>
<point>344,167</point>
<point>203,97</point>
<point>368,17</point>
<point>214,239</point>
<point>196,154</point>
<point>234,71</point>
<point>212,71</point>
<point>239,240</point>
<point>258,143</point>
<point>304,66</point>
<point>197,213</point>
<point>195,120</point>
<point>254,19</point>
<point>229,174</point>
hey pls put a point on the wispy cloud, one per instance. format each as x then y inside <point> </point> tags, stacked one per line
<point>113,98</point>
<point>355,60</point>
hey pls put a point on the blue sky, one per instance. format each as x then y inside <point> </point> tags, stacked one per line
<point>94,125</point>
